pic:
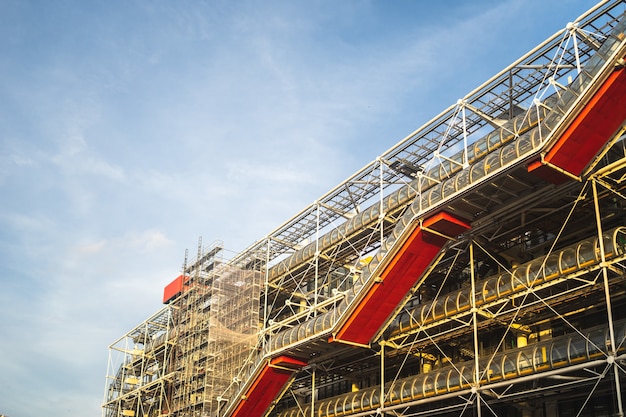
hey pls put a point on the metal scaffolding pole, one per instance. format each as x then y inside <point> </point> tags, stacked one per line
<point>607,296</point>
<point>476,386</point>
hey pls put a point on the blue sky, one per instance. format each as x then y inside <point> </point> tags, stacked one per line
<point>128,129</point>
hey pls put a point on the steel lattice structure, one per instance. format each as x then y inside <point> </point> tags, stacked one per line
<point>478,266</point>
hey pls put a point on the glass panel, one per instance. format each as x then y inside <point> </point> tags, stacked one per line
<point>439,312</point>
<point>494,141</point>
<point>494,372</point>
<point>449,188</point>
<point>480,147</point>
<point>406,390</point>
<point>283,339</point>
<point>423,203</point>
<point>577,349</point>
<point>620,241</point>
<point>492,162</point>
<point>541,357</point>
<point>524,363</point>
<point>358,221</point>
<point>463,301</point>
<point>347,404</point>
<point>558,353</point>
<point>428,180</point>
<point>445,169</point>
<point>392,202</point>
<point>458,161</point>
<point>450,304</point>
<point>509,365</point>
<point>586,253</point>
<point>568,260</point>
<point>349,226</point>
<point>504,285</point>
<point>416,388</point>
<point>524,143</point>
<point>319,325</point>
<point>462,179</point>
<point>489,290</point>
<point>328,320</point>
<point>534,274</point>
<point>536,135</point>
<point>471,156</point>
<point>519,279</point>
<point>302,331</point>
<point>375,401</point>
<point>405,322</point>
<point>356,401</point>
<point>468,376</point>
<point>608,246</point>
<point>454,380</point>
<point>326,240</point>
<point>365,401</point>
<point>551,268</point>
<point>508,153</point>
<point>434,195</point>
<point>425,313</point>
<point>403,195</point>
<point>519,124</point>
<point>596,343</point>
<point>293,334</point>
<point>394,393</point>
<point>367,215</point>
<point>440,382</point>
<point>477,171</point>
<point>428,385</point>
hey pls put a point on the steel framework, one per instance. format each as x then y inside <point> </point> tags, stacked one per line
<point>475,267</point>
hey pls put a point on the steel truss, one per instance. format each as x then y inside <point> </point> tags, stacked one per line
<point>139,368</point>
<point>525,304</point>
<point>520,309</point>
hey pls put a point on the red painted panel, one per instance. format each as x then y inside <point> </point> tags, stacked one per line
<point>174,288</point>
<point>265,389</point>
<point>548,173</point>
<point>287,362</point>
<point>446,224</point>
<point>399,276</point>
<point>590,130</point>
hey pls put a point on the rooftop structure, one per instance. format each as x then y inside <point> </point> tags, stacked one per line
<point>476,267</point>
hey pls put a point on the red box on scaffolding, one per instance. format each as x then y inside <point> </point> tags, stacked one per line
<point>174,288</point>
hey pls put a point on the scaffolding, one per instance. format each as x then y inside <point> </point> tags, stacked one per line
<point>139,369</point>
<point>477,267</point>
<point>217,322</point>
<point>180,361</point>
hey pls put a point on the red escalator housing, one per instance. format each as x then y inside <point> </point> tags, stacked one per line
<point>265,389</point>
<point>410,262</point>
<point>588,132</point>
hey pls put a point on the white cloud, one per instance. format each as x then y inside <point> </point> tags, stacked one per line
<point>91,248</point>
<point>75,157</point>
<point>22,160</point>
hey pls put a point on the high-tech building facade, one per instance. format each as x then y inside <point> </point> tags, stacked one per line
<point>476,268</point>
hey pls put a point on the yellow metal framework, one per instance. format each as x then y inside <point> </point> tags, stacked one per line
<point>521,315</point>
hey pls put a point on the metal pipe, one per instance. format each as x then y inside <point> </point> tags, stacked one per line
<point>448,382</point>
<point>607,296</point>
<point>569,260</point>
<point>476,385</point>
